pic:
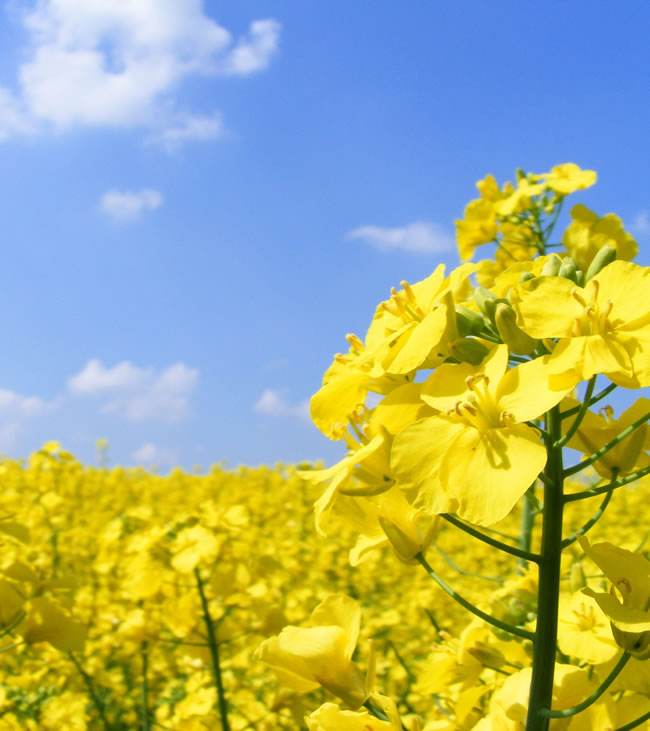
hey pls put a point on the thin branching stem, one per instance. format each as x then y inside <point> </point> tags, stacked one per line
<point>634,724</point>
<point>590,700</point>
<point>608,446</point>
<point>594,400</point>
<point>613,485</point>
<point>590,523</point>
<point>584,407</point>
<point>513,550</point>
<point>517,631</point>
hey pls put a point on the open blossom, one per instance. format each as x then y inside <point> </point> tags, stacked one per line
<point>476,456</point>
<point>603,327</point>
<point>320,655</point>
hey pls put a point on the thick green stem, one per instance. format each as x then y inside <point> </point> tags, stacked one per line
<point>544,648</point>
<point>517,631</point>
<point>214,652</point>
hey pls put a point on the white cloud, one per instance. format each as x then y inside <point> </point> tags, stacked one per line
<point>136,393</point>
<point>190,128</point>
<point>15,412</point>
<point>152,455</point>
<point>125,205</point>
<point>254,53</point>
<point>13,120</point>
<point>119,64</point>
<point>420,237</point>
<point>641,224</point>
<point>274,403</point>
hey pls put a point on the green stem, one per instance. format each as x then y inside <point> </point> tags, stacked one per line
<point>544,648</point>
<point>566,712</point>
<point>607,447</point>
<point>527,524</point>
<point>144,653</point>
<point>214,652</point>
<point>634,724</point>
<point>590,523</point>
<point>613,485</point>
<point>513,550</point>
<point>460,570</point>
<point>598,397</point>
<point>518,631</point>
<point>580,416</point>
<point>92,692</point>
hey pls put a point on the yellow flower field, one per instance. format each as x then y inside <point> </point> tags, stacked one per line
<point>114,553</point>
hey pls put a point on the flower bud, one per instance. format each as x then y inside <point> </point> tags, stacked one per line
<point>580,278</point>
<point>468,321</point>
<point>552,266</point>
<point>469,351</point>
<point>568,269</point>
<point>636,643</point>
<point>605,256</point>
<point>511,333</point>
<point>526,277</point>
<point>486,301</point>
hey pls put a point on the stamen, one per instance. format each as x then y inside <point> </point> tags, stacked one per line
<point>356,344</point>
<point>575,293</point>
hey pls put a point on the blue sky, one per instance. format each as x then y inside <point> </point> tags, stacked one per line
<point>180,180</point>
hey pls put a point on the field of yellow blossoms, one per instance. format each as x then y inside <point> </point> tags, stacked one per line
<point>439,577</point>
<point>104,564</point>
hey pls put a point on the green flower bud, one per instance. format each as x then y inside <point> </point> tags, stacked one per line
<point>485,300</point>
<point>516,339</point>
<point>469,351</point>
<point>568,269</point>
<point>636,643</point>
<point>468,321</point>
<point>526,277</point>
<point>552,266</point>
<point>580,278</point>
<point>605,256</point>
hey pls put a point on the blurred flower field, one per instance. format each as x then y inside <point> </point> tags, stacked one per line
<point>104,626</point>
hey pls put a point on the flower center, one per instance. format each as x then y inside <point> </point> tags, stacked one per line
<point>594,319</point>
<point>479,408</point>
<point>404,304</point>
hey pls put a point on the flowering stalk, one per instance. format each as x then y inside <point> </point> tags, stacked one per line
<point>214,651</point>
<point>544,647</point>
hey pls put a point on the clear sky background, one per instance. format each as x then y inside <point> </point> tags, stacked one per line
<point>180,180</point>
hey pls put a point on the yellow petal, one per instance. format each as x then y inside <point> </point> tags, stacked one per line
<point>487,472</point>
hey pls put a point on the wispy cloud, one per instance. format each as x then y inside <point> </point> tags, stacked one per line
<point>153,455</point>
<point>16,412</point>
<point>129,205</point>
<point>420,237</point>
<point>274,403</point>
<point>101,63</point>
<point>137,393</point>
<point>641,224</point>
<point>190,128</point>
